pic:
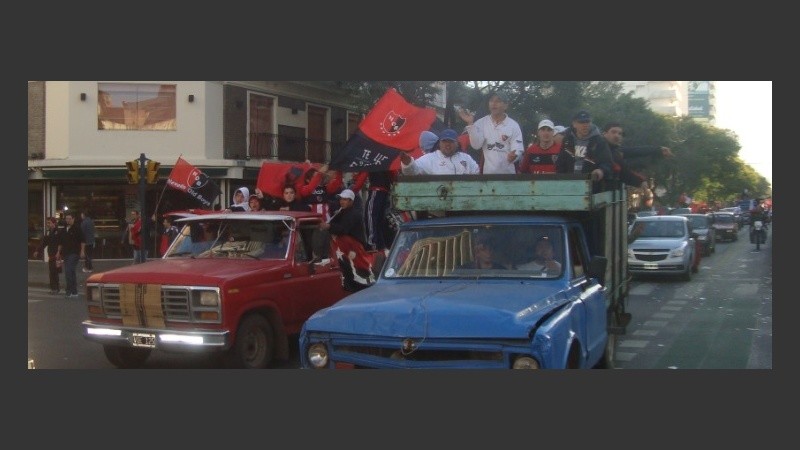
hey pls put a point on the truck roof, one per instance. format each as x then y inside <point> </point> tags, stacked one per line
<point>251,215</point>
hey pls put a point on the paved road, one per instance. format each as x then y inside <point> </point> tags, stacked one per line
<point>721,319</point>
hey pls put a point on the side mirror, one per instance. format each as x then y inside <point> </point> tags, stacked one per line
<point>597,269</point>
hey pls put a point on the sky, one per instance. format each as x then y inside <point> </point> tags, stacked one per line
<point>738,103</point>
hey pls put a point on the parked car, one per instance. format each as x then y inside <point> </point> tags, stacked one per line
<point>726,226</point>
<point>663,245</point>
<point>706,234</point>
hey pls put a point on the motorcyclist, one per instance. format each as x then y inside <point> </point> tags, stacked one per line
<point>757,214</point>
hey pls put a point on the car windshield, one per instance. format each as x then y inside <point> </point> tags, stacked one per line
<point>698,223</point>
<point>658,229</point>
<point>723,218</point>
<point>477,251</point>
<point>257,239</point>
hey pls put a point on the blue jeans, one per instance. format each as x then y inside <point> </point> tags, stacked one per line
<point>70,265</point>
<point>136,253</point>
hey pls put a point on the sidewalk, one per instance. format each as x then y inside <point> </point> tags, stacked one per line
<point>37,271</point>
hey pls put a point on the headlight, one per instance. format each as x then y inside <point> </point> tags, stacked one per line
<point>209,298</point>
<point>678,252</point>
<point>630,254</point>
<point>702,237</point>
<point>318,356</point>
<point>94,294</point>
<point>525,362</point>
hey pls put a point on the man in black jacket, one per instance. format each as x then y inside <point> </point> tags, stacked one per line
<point>622,156</point>
<point>584,150</point>
<point>51,242</point>
<point>349,244</point>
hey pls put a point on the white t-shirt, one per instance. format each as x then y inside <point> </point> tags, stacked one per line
<point>435,163</point>
<point>496,140</point>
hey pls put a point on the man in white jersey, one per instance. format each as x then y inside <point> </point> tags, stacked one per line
<point>443,161</point>
<point>498,136</point>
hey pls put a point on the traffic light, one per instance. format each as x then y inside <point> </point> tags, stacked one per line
<point>133,171</point>
<point>152,172</point>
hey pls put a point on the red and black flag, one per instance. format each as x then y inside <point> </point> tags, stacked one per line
<point>273,177</point>
<point>189,179</point>
<point>392,126</point>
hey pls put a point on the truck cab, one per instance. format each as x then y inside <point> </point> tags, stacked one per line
<point>443,300</point>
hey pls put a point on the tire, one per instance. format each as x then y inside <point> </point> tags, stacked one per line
<point>254,346</point>
<point>126,357</point>
<point>687,275</point>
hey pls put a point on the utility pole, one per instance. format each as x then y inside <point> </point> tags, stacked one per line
<point>142,210</point>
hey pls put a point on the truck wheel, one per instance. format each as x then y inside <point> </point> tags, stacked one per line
<point>254,344</point>
<point>126,357</point>
<point>607,360</point>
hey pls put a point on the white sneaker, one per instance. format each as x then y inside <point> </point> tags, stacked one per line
<point>85,270</point>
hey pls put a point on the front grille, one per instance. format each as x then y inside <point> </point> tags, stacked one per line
<point>650,258</point>
<point>176,304</point>
<point>428,353</point>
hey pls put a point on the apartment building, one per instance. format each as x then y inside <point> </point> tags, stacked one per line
<point>677,98</point>
<point>81,133</point>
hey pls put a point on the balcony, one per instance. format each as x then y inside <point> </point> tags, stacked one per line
<point>286,148</point>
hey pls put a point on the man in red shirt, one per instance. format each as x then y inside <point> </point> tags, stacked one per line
<point>540,157</point>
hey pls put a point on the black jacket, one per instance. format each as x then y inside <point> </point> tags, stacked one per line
<point>349,221</point>
<point>598,154</point>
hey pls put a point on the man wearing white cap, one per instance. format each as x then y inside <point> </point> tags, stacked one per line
<point>349,244</point>
<point>540,157</point>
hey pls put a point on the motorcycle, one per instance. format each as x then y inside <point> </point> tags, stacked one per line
<point>758,233</point>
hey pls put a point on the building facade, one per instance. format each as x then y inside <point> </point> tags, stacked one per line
<point>677,98</point>
<point>81,133</point>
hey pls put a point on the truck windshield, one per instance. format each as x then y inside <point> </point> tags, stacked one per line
<point>256,239</point>
<point>502,251</point>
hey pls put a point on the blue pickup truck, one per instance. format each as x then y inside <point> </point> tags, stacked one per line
<point>519,271</point>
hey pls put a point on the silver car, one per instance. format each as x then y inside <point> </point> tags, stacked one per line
<point>662,245</point>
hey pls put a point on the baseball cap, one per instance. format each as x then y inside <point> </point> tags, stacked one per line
<point>546,123</point>
<point>559,129</point>
<point>582,116</point>
<point>449,135</point>
<point>347,193</point>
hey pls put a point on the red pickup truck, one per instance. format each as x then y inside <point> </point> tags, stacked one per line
<point>236,284</point>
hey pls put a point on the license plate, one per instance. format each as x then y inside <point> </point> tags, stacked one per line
<point>650,265</point>
<point>144,340</point>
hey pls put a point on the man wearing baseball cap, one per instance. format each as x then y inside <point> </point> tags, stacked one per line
<point>540,157</point>
<point>348,241</point>
<point>443,161</point>
<point>584,150</point>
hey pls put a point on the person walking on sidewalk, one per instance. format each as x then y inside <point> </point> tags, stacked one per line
<point>72,249</point>
<point>87,227</point>
<point>51,241</point>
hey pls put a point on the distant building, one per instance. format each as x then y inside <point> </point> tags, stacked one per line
<point>677,98</point>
